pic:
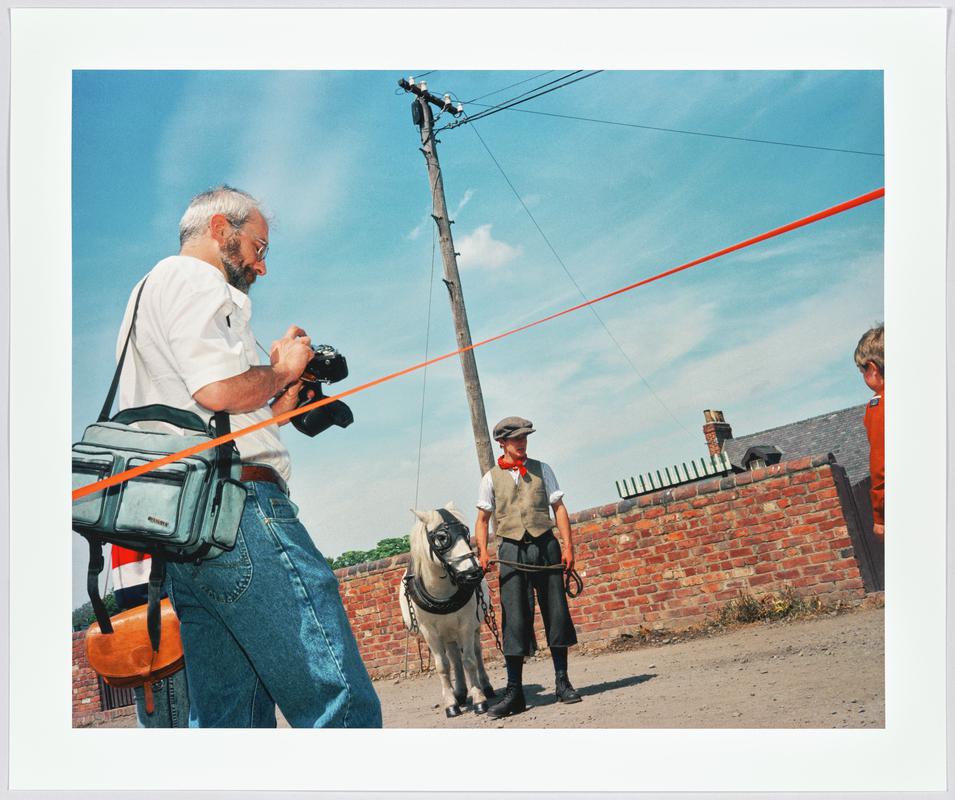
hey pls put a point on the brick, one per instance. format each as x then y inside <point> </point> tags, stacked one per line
<point>799,464</point>
<point>798,561</point>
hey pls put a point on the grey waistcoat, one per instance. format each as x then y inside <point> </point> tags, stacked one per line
<point>523,506</point>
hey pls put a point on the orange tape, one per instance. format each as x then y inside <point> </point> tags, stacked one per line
<point>121,477</point>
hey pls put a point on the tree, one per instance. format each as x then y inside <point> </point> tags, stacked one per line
<point>84,616</point>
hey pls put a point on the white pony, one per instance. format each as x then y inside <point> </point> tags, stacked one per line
<point>443,583</point>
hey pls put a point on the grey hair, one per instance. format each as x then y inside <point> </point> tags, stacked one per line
<point>234,204</point>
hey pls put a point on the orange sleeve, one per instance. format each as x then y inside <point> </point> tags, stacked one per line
<point>875,429</point>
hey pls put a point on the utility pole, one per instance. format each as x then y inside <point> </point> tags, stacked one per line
<point>424,119</point>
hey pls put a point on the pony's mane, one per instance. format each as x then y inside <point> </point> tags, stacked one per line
<point>419,546</point>
<point>419,539</point>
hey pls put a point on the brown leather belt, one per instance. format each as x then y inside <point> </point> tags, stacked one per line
<point>258,472</point>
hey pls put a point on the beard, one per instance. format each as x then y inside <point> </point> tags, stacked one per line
<point>238,273</point>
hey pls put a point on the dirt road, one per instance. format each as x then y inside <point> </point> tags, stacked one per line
<point>820,673</point>
<point>824,672</point>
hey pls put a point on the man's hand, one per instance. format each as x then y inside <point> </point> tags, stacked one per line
<point>567,556</point>
<point>879,531</point>
<point>484,557</point>
<point>287,399</point>
<point>291,353</point>
<point>566,537</point>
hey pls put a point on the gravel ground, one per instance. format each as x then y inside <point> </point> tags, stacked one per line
<point>824,672</point>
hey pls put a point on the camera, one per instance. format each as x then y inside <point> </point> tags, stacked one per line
<point>327,365</point>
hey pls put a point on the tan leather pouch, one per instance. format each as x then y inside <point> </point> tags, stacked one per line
<point>125,658</point>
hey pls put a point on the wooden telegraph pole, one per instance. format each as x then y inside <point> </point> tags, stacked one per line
<point>424,119</point>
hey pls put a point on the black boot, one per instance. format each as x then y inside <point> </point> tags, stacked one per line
<point>566,693</point>
<point>513,703</point>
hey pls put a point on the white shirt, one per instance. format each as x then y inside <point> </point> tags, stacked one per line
<point>192,329</point>
<point>486,492</point>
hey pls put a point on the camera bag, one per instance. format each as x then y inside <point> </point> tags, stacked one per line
<point>187,510</point>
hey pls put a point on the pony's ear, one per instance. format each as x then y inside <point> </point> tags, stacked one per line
<point>450,506</point>
<point>424,516</point>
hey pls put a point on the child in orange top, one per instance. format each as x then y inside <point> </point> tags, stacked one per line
<point>870,359</point>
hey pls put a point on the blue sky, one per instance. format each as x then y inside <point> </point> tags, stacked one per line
<point>766,334</point>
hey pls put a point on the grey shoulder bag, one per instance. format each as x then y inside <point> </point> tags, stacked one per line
<point>187,510</point>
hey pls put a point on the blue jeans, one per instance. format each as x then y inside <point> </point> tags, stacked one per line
<point>264,625</point>
<point>170,701</point>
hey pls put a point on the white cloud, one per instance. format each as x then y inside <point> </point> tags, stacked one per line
<point>426,220</point>
<point>480,249</point>
<point>300,178</point>
<point>418,229</point>
<point>468,194</point>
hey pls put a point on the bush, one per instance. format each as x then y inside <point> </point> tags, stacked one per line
<point>385,549</point>
<point>84,616</point>
<point>747,608</point>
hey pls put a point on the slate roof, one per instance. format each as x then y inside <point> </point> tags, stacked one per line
<point>838,432</point>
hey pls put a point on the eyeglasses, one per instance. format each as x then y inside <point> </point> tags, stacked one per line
<point>263,247</point>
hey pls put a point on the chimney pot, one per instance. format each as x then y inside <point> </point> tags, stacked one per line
<point>716,430</point>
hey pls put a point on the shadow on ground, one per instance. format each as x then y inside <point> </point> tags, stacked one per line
<point>538,695</point>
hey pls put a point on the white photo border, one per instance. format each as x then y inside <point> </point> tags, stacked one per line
<point>907,44</point>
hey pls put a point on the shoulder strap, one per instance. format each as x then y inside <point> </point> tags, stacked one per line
<point>157,573</point>
<point>111,395</point>
<point>223,451</point>
<point>92,582</point>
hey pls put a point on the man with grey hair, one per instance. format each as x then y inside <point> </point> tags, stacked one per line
<point>262,625</point>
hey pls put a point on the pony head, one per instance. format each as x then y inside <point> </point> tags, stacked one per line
<point>437,546</point>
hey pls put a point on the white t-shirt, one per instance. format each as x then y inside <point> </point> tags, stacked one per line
<point>192,329</point>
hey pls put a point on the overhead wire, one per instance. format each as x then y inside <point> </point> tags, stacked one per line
<point>510,86</point>
<point>530,94</point>
<point>516,102</point>
<point>427,345</point>
<point>686,132</point>
<point>579,290</point>
<point>510,100</point>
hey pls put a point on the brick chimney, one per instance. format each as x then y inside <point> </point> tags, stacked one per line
<point>717,430</point>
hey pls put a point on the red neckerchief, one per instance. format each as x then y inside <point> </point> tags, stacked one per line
<point>518,465</point>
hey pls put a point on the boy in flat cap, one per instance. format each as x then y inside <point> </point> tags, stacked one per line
<point>522,491</point>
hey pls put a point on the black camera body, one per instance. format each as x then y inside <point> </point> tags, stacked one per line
<point>327,365</point>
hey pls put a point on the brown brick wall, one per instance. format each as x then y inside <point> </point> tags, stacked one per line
<point>86,697</point>
<point>667,559</point>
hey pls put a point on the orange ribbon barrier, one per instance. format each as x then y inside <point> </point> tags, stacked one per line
<point>120,477</point>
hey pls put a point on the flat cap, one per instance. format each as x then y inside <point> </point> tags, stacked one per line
<point>512,427</point>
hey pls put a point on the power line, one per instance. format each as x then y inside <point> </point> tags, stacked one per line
<point>516,100</point>
<point>427,347</point>
<point>686,132</point>
<point>511,86</point>
<point>506,105</point>
<point>579,290</point>
<point>510,100</point>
